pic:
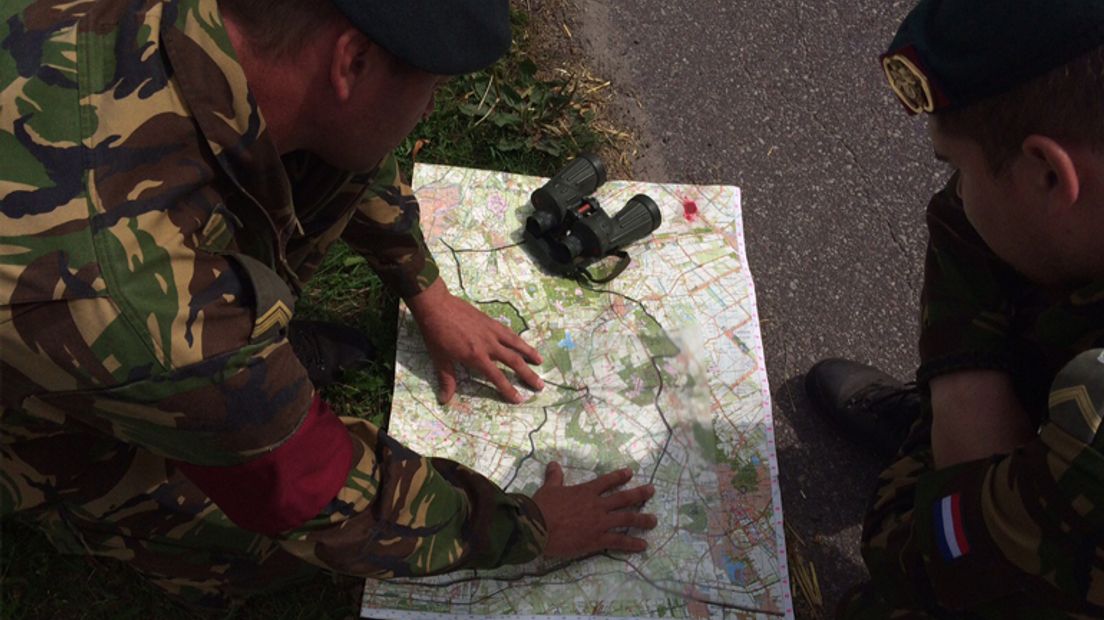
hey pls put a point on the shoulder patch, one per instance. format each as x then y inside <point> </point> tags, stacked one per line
<point>1077,396</point>
<point>950,530</point>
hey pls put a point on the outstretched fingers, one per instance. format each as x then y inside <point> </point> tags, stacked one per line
<point>509,339</point>
<point>494,374</point>
<point>584,519</point>
<point>608,482</point>
<point>630,497</point>
<point>633,520</point>
<point>518,364</point>
<point>622,542</point>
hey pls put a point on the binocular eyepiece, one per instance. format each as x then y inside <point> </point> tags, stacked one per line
<point>571,227</point>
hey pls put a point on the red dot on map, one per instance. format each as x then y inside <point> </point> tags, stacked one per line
<point>689,209</point>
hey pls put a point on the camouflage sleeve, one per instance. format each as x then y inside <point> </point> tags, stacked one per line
<point>1027,522</point>
<point>386,231</point>
<point>401,514</point>
<point>967,302</point>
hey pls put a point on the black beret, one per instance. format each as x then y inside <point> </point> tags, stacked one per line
<point>950,53</point>
<point>446,37</point>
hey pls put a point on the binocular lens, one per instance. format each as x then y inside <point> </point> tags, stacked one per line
<point>586,172</point>
<point>566,250</point>
<point>540,222</point>
<point>636,220</point>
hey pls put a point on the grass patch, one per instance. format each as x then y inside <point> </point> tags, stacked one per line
<point>510,117</point>
<point>346,291</point>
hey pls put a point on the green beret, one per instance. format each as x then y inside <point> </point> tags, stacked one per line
<point>950,53</point>
<point>446,37</point>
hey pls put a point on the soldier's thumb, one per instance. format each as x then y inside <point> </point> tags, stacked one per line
<point>553,474</point>
<point>446,382</point>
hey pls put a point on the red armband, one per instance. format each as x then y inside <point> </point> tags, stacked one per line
<point>287,487</point>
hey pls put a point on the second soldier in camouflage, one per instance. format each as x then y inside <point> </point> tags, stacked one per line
<point>992,507</point>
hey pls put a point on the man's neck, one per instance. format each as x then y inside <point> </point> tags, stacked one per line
<point>279,86</point>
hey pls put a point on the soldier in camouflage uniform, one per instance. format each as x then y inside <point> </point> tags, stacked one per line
<point>993,505</point>
<point>173,171</point>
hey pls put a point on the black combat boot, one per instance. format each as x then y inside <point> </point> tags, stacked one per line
<point>870,407</point>
<point>328,349</point>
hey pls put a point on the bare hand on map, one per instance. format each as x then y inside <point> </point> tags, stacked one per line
<point>457,332</point>
<point>582,519</point>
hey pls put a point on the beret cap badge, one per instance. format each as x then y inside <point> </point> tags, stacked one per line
<point>909,83</point>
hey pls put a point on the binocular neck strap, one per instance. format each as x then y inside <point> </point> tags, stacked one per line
<point>623,261</point>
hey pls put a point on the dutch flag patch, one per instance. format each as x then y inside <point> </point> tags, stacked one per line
<point>950,534</point>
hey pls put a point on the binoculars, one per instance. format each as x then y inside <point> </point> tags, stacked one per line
<point>569,228</point>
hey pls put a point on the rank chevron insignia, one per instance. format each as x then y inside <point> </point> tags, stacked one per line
<point>277,316</point>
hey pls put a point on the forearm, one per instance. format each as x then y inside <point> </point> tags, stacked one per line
<point>401,514</point>
<point>386,230</point>
<point>428,299</point>
<point>976,414</point>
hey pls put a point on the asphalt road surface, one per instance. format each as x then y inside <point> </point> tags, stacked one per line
<point>787,101</point>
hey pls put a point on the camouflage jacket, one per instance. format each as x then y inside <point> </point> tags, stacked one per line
<point>150,240</point>
<point>1029,523</point>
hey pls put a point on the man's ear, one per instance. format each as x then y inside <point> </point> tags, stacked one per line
<point>348,62</point>
<point>1051,170</point>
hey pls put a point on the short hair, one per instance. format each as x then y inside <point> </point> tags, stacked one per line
<point>1064,104</point>
<point>281,27</point>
